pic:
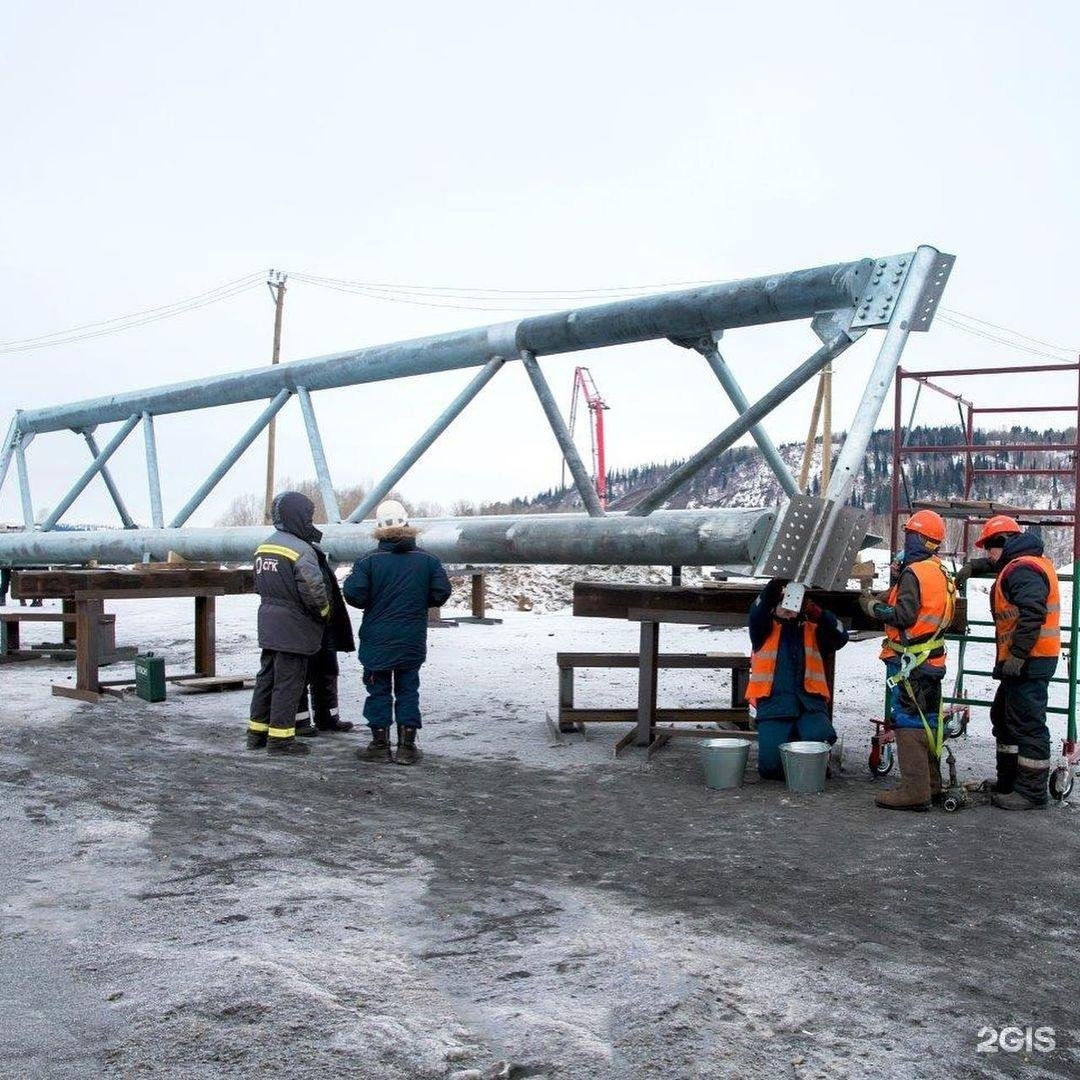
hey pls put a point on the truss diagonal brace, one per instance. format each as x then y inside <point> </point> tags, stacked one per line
<point>318,456</point>
<point>114,491</point>
<point>153,477</point>
<point>230,459</point>
<point>22,441</point>
<point>423,444</point>
<point>92,470</point>
<point>758,411</point>
<point>563,437</point>
<point>708,348</point>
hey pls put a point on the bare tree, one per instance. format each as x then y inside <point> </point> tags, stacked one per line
<point>243,510</point>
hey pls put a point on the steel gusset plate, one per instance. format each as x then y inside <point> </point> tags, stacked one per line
<point>840,548</point>
<point>798,526</point>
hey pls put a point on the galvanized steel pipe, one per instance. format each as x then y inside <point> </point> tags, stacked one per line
<point>729,537</point>
<point>690,313</point>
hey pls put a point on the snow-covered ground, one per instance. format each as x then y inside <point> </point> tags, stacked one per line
<point>174,906</point>
<point>486,689</point>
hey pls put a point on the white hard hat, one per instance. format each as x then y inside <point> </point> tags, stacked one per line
<point>391,514</point>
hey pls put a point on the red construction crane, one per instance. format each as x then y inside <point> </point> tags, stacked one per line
<point>585,387</point>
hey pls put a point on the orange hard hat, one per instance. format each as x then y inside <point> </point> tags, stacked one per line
<point>926,523</point>
<point>998,525</point>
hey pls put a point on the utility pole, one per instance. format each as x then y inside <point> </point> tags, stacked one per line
<point>276,283</point>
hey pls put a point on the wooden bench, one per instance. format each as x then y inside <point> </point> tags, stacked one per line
<point>11,621</point>
<point>87,590</point>
<point>572,718</point>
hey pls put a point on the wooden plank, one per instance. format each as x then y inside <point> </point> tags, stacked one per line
<point>594,599</point>
<point>479,597</point>
<point>215,684</point>
<point>667,716</point>
<point>647,674</point>
<point>86,645</point>
<point>61,584</point>
<point>694,618</point>
<point>75,692</point>
<point>660,740</point>
<point>717,661</point>
<point>37,616</point>
<point>144,594</point>
<point>205,635</point>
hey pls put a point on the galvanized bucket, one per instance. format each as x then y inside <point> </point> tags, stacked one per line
<point>724,761</point>
<point>804,765</point>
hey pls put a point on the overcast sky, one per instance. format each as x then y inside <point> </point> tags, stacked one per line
<point>154,151</point>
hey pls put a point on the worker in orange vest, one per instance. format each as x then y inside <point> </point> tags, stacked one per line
<point>916,612</point>
<point>787,686</point>
<point>1025,603</point>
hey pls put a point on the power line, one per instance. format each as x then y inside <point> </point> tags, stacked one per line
<point>1005,329</point>
<point>998,339</point>
<point>476,290</point>
<point>134,319</point>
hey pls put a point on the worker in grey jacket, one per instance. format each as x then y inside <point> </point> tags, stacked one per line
<point>293,612</point>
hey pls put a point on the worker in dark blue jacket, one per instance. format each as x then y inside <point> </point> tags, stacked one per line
<point>395,585</point>
<point>788,686</point>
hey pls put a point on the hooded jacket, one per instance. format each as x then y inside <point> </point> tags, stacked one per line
<point>395,585</point>
<point>1027,588</point>
<point>295,602</point>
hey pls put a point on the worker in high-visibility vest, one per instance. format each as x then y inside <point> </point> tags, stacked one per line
<point>1025,603</point>
<point>788,687</point>
<point>916,612</point>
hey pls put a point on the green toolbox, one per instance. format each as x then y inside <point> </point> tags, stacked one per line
<point>150,677</point>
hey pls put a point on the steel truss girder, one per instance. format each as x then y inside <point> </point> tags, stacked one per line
<point>846,298</point>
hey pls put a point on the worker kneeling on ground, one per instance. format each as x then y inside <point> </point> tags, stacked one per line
<point>395,585</point>
<point>293,611</point>
<point>916,611</point>
<point>1025,603</point>
<point>788,686</point>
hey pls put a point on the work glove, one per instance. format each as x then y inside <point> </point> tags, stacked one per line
<point>1012,667</point>
<point>812,610</point>
<point>963,574</point>
<point>868,601</point>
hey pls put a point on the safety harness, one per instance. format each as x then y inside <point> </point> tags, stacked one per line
<point>912,656</point>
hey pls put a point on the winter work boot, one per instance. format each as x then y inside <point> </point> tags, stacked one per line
<point>332,723</point>
<point>378,750</point>
<point>913,791</point>
<point>407,753</point>
<point>307,730</point>
<point>1029,793</point>
<point>1006,773</point>
<point>256,736</point>
<point>286,748</point>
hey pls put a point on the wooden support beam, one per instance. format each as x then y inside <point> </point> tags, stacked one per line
<point>205,636</point>
<point>647,673</point>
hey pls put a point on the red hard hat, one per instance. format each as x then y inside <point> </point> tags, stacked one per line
<point>926,523</point>
<point>998,525</point>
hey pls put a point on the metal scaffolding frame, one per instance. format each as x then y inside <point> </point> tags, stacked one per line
<point>898,294</point>
<point>972,514</point>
